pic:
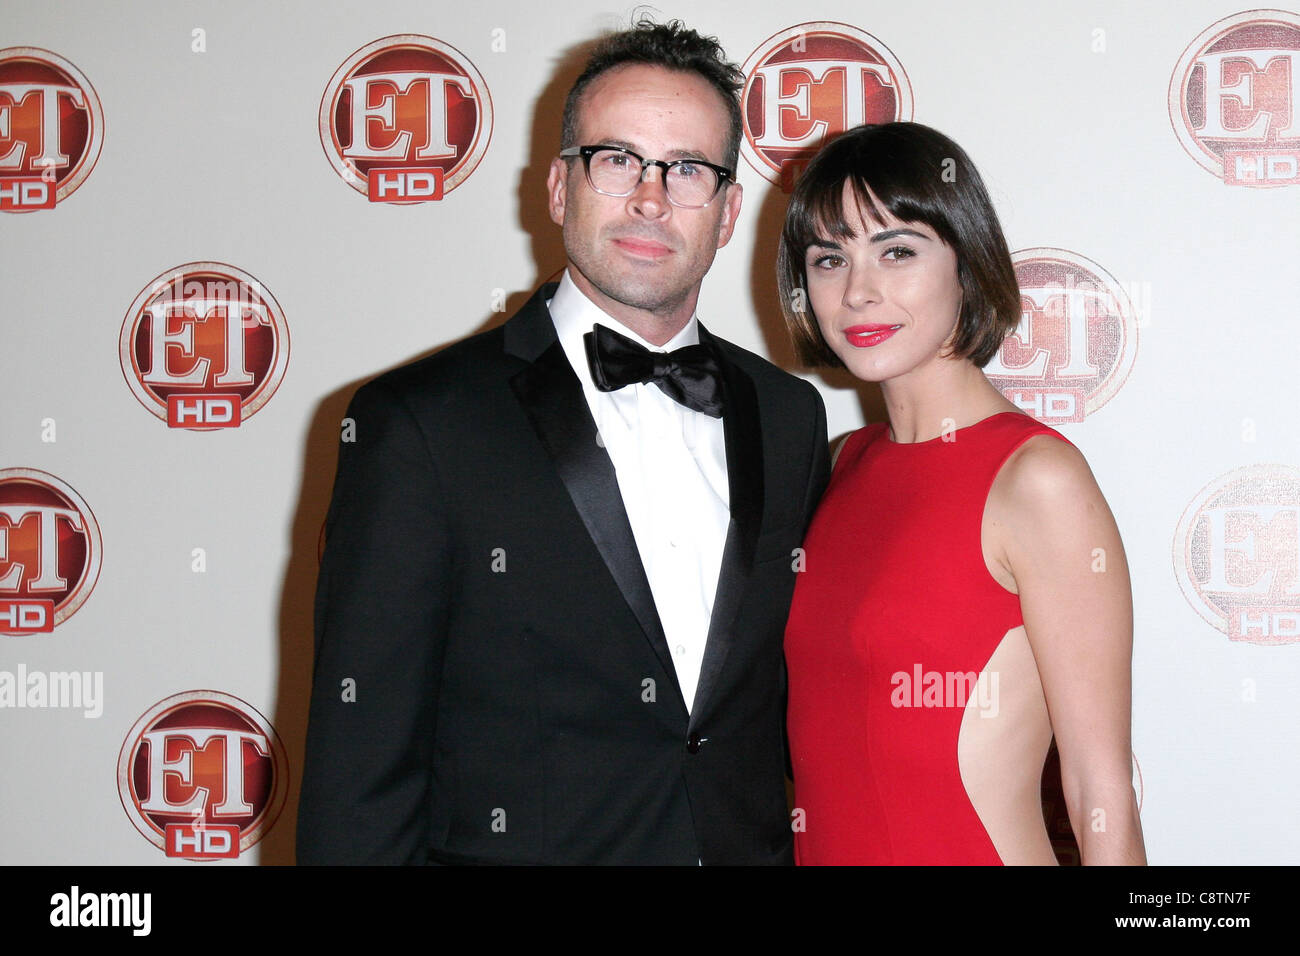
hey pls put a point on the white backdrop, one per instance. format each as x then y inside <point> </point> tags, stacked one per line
<point>214,155</point>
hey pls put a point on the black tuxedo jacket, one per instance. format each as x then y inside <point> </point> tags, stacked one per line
<point>492,682</point>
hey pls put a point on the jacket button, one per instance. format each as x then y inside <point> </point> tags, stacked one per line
<point>693,744</point>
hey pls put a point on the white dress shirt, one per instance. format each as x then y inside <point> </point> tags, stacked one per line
<point>671,464</point>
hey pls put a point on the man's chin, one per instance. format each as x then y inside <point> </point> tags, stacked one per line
<point>644,295</point>
<point>653,302</point>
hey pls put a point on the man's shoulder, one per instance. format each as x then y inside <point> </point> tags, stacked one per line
<point>464,368</point>
<point>768,378</point>
<point>459,367</point>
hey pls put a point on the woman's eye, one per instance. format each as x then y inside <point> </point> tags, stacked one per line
<point>827,261</point>
<point>898,252</point>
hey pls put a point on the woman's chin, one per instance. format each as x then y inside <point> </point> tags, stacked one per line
<point>867,369</point>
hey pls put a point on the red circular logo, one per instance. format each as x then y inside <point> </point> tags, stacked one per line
<point>1233,98</point>
<point>50,551</point>
<point>202,775</point>
<point>204,346</point>
<point>1076,341</point>
<point>810,82</point>
<point>51,129</point>
<point>1237,554</point>
<point>406,119</point>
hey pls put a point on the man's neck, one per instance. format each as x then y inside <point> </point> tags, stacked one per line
<point>654,327</point>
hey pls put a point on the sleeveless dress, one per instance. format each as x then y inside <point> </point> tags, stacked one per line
<point>893,618</point>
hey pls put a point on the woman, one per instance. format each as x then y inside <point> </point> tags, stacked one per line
<point>965,595</point>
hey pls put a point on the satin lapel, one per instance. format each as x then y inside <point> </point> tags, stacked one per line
<point>552,396</point>
<point>744,440</point>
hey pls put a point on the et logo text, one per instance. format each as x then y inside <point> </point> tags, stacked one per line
<point>199,841</point>
<point>391,184</point>
<point>203,411</point>
<point>21,193</point>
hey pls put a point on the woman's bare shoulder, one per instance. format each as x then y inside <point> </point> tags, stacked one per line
<point>1046,471</point>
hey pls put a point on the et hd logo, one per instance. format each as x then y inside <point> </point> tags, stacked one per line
<point>405,119</point>
<point>1234,99</point>
<point>204,346</point>
<point>1076,341</point>
<point>1237,554</point>
<point>808,83</point>
<point>51,129</point>
<point>202,775</point>
<point>50,551</point>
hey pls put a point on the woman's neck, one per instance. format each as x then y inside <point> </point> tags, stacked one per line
<point>943,395</point>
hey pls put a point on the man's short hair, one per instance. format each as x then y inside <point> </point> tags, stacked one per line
<point>674,47</point>
<point>918,175</point>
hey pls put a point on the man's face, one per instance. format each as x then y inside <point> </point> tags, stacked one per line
<point>639,256</point>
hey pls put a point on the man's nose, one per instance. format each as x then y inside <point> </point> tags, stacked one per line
<point>650,197</point>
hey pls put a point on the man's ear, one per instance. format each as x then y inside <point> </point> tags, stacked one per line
<point>557,189</point>
<point>730,211</point>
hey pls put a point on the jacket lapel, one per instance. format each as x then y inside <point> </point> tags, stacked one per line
<point>744,441</point>
<point>551,395</point>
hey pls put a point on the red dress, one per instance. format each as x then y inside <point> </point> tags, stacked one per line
<point>893,616</point>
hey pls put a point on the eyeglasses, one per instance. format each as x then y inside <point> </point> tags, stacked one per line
<point>615,171</point>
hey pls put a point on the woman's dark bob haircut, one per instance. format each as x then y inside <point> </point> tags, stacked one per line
<point>918,175</point>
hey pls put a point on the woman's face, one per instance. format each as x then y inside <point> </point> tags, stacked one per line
<point>887,300</point>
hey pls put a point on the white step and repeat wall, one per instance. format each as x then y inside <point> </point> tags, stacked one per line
<point>188,237</point>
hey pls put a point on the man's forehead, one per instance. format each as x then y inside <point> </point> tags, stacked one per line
<point>675,104</point>
<point>677,152</point>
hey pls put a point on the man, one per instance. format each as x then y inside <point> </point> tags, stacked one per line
<point>551,607</point>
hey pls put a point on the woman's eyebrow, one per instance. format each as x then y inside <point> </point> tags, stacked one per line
<point>888,234</point>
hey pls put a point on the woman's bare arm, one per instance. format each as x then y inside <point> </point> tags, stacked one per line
<point>1057,537</point>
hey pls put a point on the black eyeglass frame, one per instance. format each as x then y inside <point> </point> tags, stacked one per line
<point>725,176</point>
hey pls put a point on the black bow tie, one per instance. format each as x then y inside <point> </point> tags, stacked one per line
<point>689,376</point>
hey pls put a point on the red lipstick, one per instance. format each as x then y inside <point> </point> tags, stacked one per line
<point>865,336</point>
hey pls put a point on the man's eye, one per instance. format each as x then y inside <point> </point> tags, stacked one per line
<point>614,160</point>
<point>687,171</point>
